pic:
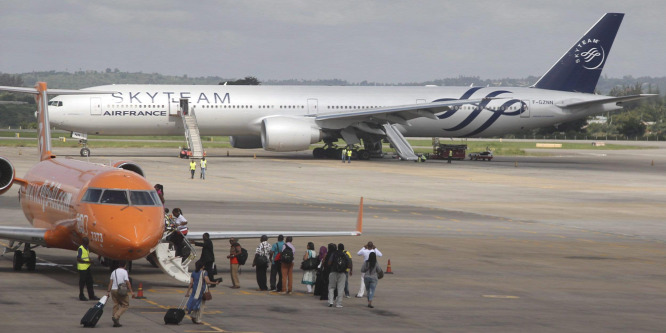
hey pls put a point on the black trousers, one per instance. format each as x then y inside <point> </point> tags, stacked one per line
<point>276,269</point>
<point>208,266</point>
<point>86,280</point>
<point>261,277</point>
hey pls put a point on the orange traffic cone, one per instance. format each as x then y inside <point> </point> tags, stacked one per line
<point>388,267</point>
<point>139,295</point>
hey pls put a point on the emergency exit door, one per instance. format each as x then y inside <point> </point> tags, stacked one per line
<point>313,106</point>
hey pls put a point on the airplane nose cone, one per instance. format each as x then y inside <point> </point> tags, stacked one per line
<point>131,234</point>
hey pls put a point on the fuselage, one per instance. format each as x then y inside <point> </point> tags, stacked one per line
<point>116,209</point>
<point>239,110</point>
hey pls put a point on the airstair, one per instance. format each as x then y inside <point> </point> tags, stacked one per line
<point>175,266</point>
<point>191,129</point>
<point>400,144</point>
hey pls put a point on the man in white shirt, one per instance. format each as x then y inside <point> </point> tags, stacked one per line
<point>365,252</point>
<point>121,302</point>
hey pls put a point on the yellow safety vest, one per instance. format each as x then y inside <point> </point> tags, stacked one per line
<point>203,164</point>
<point>85,256</point>
<point>193,165</point>
<point>349,152</point>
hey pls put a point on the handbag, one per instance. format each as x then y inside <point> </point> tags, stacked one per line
<point>380,273</point>
<point>122,287</point>
<point>260,260</point>
<point>207,296</point>
<point>309,264</point>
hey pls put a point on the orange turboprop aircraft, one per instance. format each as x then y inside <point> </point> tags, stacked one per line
<point>66,200</point>
<point>114,206</point>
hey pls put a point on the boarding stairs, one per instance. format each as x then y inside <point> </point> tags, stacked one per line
<point>400,144</point>
<point>192,135</point>
<point>176,267</point>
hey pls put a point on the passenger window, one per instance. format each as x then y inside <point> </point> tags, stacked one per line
<point>92,195</point>
<point>141,198</point>
<point>117,197</point>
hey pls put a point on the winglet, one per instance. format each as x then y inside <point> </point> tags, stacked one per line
<point>42,100</point>
<point>359,220</point>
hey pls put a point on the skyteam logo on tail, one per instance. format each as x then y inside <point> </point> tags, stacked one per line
<point>589,53</point>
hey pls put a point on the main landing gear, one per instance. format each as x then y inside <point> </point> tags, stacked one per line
<point>27,257</point>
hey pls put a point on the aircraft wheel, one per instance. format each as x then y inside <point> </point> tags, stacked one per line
<point>18,260</point>
<point>318,153</point>
<point>363,155</point>
<point>85,152</point>
<point>31,261</point>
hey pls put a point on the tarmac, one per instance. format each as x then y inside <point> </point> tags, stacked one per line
<point>569,242</point>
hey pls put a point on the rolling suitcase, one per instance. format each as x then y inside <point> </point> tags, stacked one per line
<point>93,314</point>
<point>175,316</point>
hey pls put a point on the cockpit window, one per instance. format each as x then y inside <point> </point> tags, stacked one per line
<point>120,197</point>
<point>92,195</point>
<point>141,198</point>
<point>117,197</point>
<point>55,103</point>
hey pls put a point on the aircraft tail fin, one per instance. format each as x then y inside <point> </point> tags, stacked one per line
<point>44,135</point>
<point>578,70</point>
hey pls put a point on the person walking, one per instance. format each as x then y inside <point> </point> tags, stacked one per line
<point>344,154</point>
<point>193,168</point>
<point>287,268</point>
<point>198,284</point>
<point>119,293</point>
<point>275,265</point>
<point>348,272</point>
<point>202,166</point>
<point>177,237</point>
<point>208,256</point>
<point>349,154</point>
<point>309,275</point>
<point>83,263</point>
<point>261,259</point>
<point>336,277</point>
<point>321,280</point>
<point>371,270</point>
<point>450,155</point>
<point>365,252</point>
<point>234,251</point>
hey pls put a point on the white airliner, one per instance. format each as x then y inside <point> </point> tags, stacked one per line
<point>291,118</point>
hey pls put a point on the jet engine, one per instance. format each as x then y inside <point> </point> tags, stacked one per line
<point>288,134</point>
<point>6,175</point>
<point>245,141</point>
<point>129,166</point>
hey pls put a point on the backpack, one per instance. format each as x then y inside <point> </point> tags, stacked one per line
<point>287,255</point>
<point>340,263</point>
<point>242,257</point>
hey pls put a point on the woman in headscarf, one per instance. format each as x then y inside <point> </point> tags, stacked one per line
<point>324,271</point>
<point>319,287</point>
<point>199,282</point>
<point>309,275</point>
<point>371,269</point>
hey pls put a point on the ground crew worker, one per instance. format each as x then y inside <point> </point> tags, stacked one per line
<point>344,154</point>
<point>349,153</point>
<point>83,263</point>
<point>193,167</point>
<point>203,170</point>
<point>450,155</point>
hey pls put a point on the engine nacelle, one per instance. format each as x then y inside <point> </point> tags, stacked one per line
<point>129,166</point>
<point>245,141</point>
<point>288,134</point>
<point>6,175</point>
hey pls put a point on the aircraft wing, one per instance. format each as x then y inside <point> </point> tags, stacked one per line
<point>578,103</point>
<point>197,235</point>
<point>393,114</point>
<point>24,234</point>
<point>55,91</point>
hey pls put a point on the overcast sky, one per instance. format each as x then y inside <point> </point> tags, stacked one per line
<point>379,41</point>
